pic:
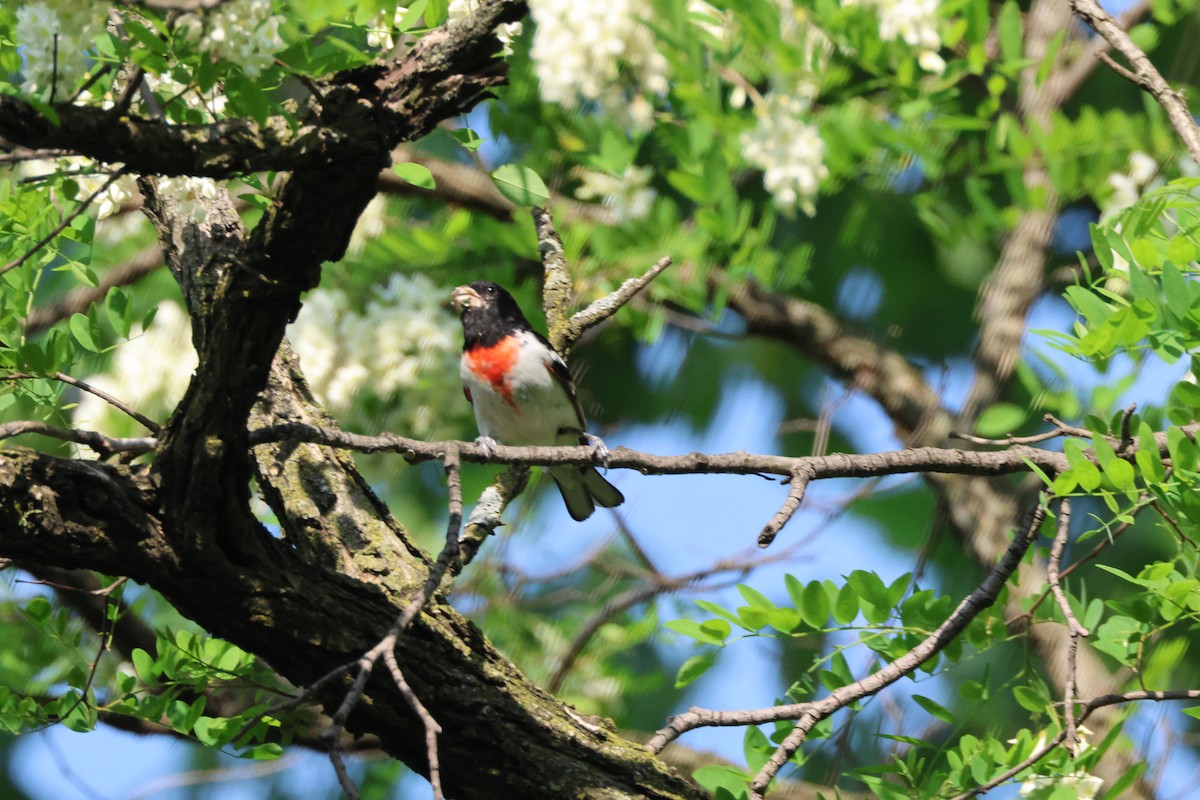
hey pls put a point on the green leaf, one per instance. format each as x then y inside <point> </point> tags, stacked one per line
<point>1148,459</point>
<point>38,609</point>
<point>521,185</point>
<point>814,605</point>
<point>714,777</point>
<point>784,620</point>
<point>1011,31</point>
<point>753,618</point>
<point>845,608</point>
<point>1000,419</point>
<point>1029,698</point>
<point>870,587</point>
<point>215,731</point>
<point>263,752</point>
<point>120,316</point>
<point>85,331</point>
<point>437,13</point>
<point>469,139</point>
<point>143,665</point>
<point>1083,470</point>
<point>1121,474</point>
<point>1183,450</point>
<point>416,174</point>
<point>723,613</point>
<point>694,630</point>
<point>716,627</point>
<point>754,597</point>
<point>693,668</point>
<point>936,709</point>
<point>756,747</point>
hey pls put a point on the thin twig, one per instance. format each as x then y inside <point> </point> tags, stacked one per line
<point>1092,705</point>
<point>1116,533</point>
<point>22,154</point>
<point>87,387</point>
<point>78,300</point>
<point>795,496</point>
<point>808,714</point>
<point>1126,429</point>
<point>556,281</point>
<point>62,226</point>
<point>1144,73</point>
<point>983,597</point>
<point>103,445</point>
<point>432,729</point>
<point>387,644</point>
<point>608,305</point>
<point>1076,630</point>
<point>659,585</point>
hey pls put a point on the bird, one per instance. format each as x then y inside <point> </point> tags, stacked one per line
<point>522,392</point>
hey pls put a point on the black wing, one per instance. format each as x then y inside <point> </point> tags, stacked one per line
<point>562,373</point>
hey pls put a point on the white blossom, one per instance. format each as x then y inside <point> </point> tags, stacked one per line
<point>55,37</point>
<point>1084,785</point>
<point>211,103</point>
<point>372,222</point>
<point>629,195</point>
<point>392,364</point>
<point>589,50</point>
<point>720,25</point>
<point>190,194</point>
<point>150,372</point>
<point>506,32</point>
<point>242,31</point>
<point>1129,185</point>
<point>788,149</point>
<point>912,21</point>
<point>89,177</point>
<point>381,28</point>
<point>401,350</point>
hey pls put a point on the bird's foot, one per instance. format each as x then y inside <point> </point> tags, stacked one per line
<point>598,447</point>
<point>488,445</point>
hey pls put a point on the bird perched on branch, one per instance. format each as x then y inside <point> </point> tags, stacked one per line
<point>522,391</point>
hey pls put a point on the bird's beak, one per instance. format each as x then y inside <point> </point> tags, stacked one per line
<point>464,297</point>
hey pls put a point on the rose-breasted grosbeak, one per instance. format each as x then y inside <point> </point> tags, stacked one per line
<point>522,391</point>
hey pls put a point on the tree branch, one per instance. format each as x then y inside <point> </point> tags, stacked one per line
<point>1144,73</point>
<point>809,714</point>
<point>216,150</point>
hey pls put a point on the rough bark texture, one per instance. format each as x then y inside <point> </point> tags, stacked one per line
<point>326,592</point>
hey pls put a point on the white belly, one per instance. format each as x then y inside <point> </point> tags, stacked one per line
<point>535,409</point>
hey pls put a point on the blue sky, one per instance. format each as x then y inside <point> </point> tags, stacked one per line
<point>717,515</point>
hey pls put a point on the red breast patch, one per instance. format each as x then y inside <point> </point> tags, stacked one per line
<point>492,364</point>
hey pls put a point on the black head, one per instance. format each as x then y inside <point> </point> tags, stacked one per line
<point>489,313</point>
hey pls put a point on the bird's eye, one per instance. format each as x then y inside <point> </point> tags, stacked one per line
<point>491,290</point>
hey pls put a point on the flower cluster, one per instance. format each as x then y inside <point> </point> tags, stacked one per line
<point>55,37</point>
<point>381,29</point>
<point>788,148</point>
<point>629,196</point>
<point>244,32</point>
<point>190,195</point>
<point>1084,786</point>
<point>149,372</point>
<point>89,177</point>
<point>913,21</point>
<point>582,49</point>
<point>506,32</point>
<point>392,365</point>
<point>171,91</point>
<point>1128,186</point>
